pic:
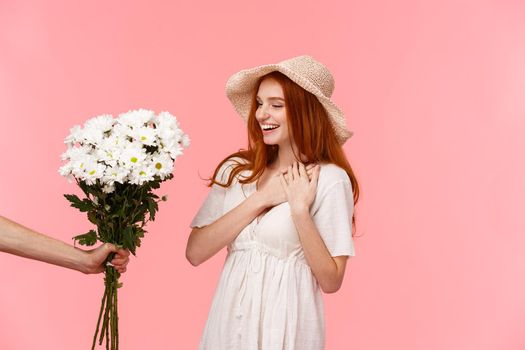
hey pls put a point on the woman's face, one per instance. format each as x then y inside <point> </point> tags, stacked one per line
<point>271,113</point>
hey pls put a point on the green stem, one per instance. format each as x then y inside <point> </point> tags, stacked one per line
<point>102,304</point>
<point>107,338</point>
<point>112,323</point>
<point>109,290</point>
<point>115,312</point>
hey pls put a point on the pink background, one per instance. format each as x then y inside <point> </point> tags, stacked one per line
<point>434,91</point>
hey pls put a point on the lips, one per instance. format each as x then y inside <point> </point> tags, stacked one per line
<point>266,132</point>
<point>269,127</point>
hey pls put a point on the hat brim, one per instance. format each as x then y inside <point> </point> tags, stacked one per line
<point>240,86</point>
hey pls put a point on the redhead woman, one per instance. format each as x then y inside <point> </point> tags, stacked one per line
<point>283,208</point>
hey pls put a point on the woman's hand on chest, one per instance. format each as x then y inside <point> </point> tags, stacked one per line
<point>300,188</point>
<point>271,189</point>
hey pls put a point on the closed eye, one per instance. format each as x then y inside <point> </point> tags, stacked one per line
<point>275,106</point>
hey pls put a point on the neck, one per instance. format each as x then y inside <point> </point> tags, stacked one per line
<point>285,157</point>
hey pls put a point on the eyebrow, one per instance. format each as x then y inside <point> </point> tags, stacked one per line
<point>273,98</point>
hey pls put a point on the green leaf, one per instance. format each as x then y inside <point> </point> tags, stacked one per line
<point>88,239</point>
<point>73,198</point>
<point>155,184</point>
<point>83,205</point>
<point>128,240</point>
<point>95,189</point>
<point>92,217</point>
<point>139,232</point>
<point>139,217</point>
<point>153,207</point>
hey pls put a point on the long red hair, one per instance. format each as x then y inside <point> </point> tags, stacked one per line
<point>309,127</point>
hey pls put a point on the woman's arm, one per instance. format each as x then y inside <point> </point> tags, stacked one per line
<point>22,241</point>
<point>329,271</point>
<point>206,241</point>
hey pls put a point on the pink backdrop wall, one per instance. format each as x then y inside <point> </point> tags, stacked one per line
<point>434,91</point>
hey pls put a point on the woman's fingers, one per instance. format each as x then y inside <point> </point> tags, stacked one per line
<point>302,170</point>
<point>295,169</point>
<point>310,168</point>
<point>289,173</point>
<point>284,182</point>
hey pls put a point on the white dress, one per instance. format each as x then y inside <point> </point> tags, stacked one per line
<point>267,297</point>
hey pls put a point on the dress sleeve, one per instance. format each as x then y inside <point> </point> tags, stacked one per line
<point>213,206</point>
<point>333,218</point>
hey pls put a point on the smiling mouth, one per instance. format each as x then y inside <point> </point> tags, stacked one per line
<point>269,127</point>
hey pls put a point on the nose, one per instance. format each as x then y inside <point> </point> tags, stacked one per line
<point>262,112</point>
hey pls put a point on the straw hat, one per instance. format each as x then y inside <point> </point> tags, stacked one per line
<point>306,72</point>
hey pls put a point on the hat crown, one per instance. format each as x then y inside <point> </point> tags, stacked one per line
<point>312,70</point>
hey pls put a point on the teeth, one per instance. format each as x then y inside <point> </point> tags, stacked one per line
<point>268,127</point>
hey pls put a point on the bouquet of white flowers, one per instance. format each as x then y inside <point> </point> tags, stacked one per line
<point>118,162</point>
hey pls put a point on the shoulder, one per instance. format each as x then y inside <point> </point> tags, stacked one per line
<point>333,187</point>
<point>332,178</point>
<point>331,174</point>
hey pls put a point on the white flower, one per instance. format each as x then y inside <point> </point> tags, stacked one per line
<point>145,135</point>
<point>114,174</point>
<point>110,150</point>
<point>133,155</point>
<point>166,136</point>
<point>185,141</point>
<point>75,153</point>
<point>79,156</point>
<point>166,121</point>
<point>173,148</point>
<point>137,118</point>
<point>93,135</point>
<point>65,170</point>
<point>75,135</point>
<point>92,171</point>
<point>162,165</point>
<point>140,175</point>
<point>121,132</point>
<point>102,122</point>
<point>108,188</point>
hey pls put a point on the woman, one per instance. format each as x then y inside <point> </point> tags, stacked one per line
<point>288,232</point>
